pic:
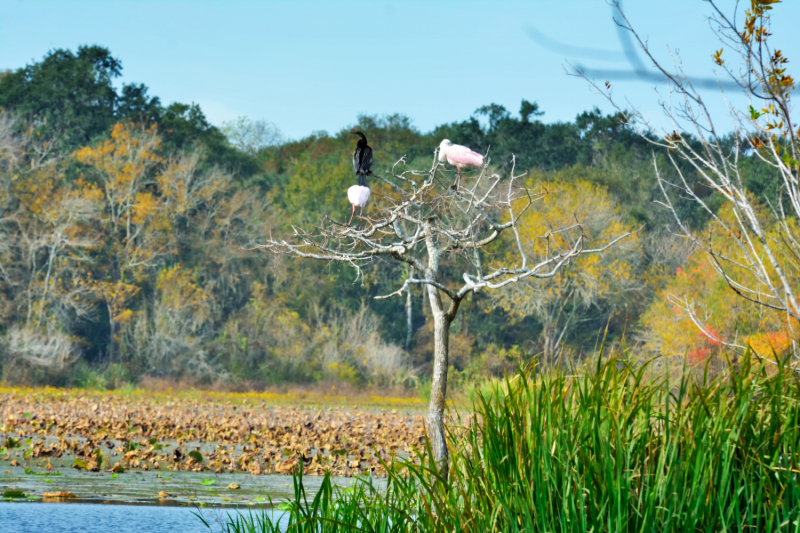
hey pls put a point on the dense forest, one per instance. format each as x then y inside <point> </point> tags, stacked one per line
<point>127,225</point>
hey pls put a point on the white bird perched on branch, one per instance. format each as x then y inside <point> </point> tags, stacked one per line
<point>460,156</point>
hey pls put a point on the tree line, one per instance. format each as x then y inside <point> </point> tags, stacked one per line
<point>127,230</point>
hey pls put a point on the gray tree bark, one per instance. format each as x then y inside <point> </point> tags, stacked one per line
<point>442,319</point>
<point>441,337</point>
<point>409,314</point>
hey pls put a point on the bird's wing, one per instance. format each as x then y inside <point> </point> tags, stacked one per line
<point>461,155</point>
<point>352,194</point>
<point>356,159</point>
<point>363,196</point>
<point>358,195</point>
<point>366,161</point>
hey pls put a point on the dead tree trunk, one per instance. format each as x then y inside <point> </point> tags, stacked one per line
<point>442,319</point>
<point>436,431</point>
<point>409,315</point>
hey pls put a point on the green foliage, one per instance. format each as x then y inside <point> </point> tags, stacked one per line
<point>71,99</point>
<point>607,449</point>
<point>197,201</point>
<point>70,95</point>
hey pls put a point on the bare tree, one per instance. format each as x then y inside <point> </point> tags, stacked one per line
<point>250,136</point>
<point>762,267</point>
<point>589,283</point>
<point>438,232</point>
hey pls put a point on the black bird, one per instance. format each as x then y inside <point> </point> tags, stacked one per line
<point>362,158</point>
<point>362,162</point>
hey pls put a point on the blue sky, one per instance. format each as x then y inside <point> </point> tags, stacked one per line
<point>312,65</point>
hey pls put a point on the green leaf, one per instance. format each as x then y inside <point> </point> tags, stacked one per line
<point>285,506</point>
<point>32,472</point>
<point>754,115</point>
<point>114,475</point>
<point>27,415</point>
<point>208,481</point>
<point>13,494</point>
<point>79,463</point>
<point>197,456</point>
<point>259,499</point>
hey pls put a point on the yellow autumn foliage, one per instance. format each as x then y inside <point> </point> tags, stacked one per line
<point>179,290</point>
<point>698,312</point>
<point>123,163</point>
<point>571,210</point>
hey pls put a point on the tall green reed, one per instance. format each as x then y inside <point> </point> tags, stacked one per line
<point>609,448</point>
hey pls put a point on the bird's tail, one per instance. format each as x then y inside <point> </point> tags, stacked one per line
<point>362,179</point>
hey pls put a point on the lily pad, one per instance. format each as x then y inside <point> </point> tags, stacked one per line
<point>60,495</point>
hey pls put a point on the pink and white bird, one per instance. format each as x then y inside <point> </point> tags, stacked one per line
<point>460,157</point>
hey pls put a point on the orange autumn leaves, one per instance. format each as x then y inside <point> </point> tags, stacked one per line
<point>123,164</point>
<point>106,226</point>
<point>697,313</point>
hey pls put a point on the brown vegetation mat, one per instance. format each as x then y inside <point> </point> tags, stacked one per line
<point>208,432</point>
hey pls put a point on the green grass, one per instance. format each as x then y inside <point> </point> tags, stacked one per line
<point>609,449</point>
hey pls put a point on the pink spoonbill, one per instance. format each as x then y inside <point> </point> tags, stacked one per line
<point>362,162</point>
<point>460,157</point>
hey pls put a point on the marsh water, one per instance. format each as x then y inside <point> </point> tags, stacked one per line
<point>134,500</point>
<point>31,517</point>
<point>131,502</point>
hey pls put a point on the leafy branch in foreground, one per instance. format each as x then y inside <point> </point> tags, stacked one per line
<point>754,243</point>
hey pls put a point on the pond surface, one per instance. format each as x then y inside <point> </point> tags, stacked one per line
<point>159,488</point>
<point>154,488</point>
<point>130,501</point>
<point>35,517</point>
